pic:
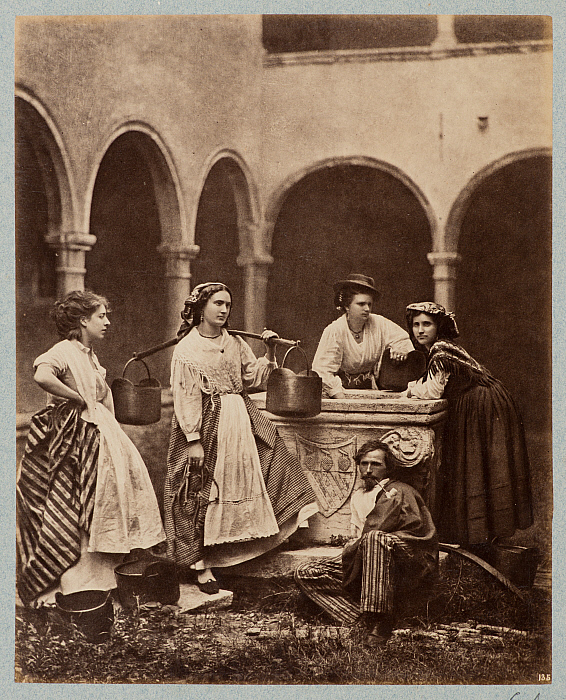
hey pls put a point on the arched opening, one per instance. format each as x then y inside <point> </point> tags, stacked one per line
<point>223,208</point>
<point>504,292</point>
<point>125,264</point>
<point>504,285</point>
<point>342,219</point>
<point>37,213</point>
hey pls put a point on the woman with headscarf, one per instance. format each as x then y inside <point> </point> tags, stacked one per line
<point>84,496</point>
<point>484,487</point>
<point>233,491</point>
<point>350,350</point>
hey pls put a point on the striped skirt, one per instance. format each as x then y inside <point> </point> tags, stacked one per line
<point>373,582</point>
<point>54,496</point>
<point>187,491</point>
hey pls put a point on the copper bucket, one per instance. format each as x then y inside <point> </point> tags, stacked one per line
<point>137,404</point>
<point>290,394</point>
<point>519,564</point>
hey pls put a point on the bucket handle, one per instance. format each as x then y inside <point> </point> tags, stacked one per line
<point>297,347</point>
<point>136,359</point>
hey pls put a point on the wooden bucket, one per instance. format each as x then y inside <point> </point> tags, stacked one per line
<point>136,404</point>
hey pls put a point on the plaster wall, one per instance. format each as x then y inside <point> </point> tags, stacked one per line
<point>192,79</point>
<point>419,116</point>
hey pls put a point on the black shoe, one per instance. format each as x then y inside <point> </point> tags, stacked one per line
<point>381,631</point>
<point>209,587</point>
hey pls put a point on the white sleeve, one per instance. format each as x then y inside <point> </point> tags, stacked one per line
<point>356,522</point>
<point>328,360</point>
<point>396,338</point>
<point>187,401</point>
<point>255,370</point>
<point>432,388</point>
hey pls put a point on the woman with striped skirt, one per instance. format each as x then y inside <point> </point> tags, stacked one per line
<point>233,491</point>
<point>84,496</point>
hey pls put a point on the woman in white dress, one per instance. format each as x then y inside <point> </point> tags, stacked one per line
<point>351,348</point>
<point>233,491</point>
<point>84,496</point>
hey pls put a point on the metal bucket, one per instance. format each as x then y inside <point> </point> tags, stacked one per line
<point>136,404</point>
<point>519,564</point>
<point>91,612</point>
<point>147,581</point>
<point>290,394</point>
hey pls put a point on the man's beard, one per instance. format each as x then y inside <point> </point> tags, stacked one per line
<point>369,483</point>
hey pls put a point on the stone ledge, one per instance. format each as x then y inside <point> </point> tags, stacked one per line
<point>282,563</point>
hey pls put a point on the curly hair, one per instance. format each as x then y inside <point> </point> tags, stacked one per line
<point>344,296</point>
<point>68,312</point>
<point>195,303</point>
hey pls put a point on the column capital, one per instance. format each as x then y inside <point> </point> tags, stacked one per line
<point>71,240</point>
<point>177,259</point>
<point>445,36</point>
<point>444,264</point>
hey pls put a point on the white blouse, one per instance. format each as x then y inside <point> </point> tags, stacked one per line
<point>431,388</point>
<point>201,365</point>
<point>338,350</point>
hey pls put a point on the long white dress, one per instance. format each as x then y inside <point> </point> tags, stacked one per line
<point>125,513</point>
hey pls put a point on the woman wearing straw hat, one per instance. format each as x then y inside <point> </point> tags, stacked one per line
<point>350,350</point>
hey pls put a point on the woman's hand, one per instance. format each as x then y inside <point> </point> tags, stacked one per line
<point>46,378</point>
<point>397,357</point>
<point>195,453</point>
<point>266,336</point>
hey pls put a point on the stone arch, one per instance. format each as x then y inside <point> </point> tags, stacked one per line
<point>245,195</point>
<point>226,233</point>
<point>33,118</point>
<point>501,228</point>
<point>141,259</point>
<point>459,208</point>
<point>338,216</point>
<point>170,202</point>
<point>45,213</point>
<point>278,197</point>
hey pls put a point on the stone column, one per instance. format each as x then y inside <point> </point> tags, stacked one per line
<point>444,274</point>
<point>178,282</point>
<point>445,37</point>
<point>71,248</point>
<point>256,262</point>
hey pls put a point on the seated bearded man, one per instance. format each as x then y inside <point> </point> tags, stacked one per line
<point>394,550</point>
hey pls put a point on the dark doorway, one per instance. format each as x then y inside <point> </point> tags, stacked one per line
<point>217,234</point>
<point>348,218</point>
<point>37,207</point>
<point>504,287</point>
<point>124,264</point>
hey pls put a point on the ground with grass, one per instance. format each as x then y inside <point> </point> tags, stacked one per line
<point>469,630</point>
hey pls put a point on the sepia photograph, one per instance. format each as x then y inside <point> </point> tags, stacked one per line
<point>283,366</point>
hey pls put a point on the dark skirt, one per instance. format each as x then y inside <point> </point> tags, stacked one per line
<point>187,492</point>
<point>484,487</point>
